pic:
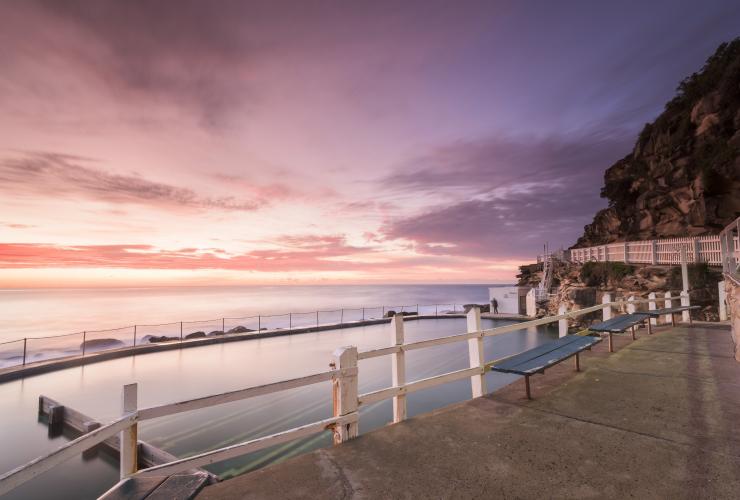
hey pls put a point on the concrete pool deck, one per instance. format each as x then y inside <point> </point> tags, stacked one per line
<point>656,419</point>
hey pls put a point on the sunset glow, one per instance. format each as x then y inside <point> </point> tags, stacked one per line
<point>337,142</point>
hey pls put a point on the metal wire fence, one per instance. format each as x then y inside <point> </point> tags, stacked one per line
<point>35,349</point>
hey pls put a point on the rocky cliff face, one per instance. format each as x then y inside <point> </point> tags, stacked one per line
<point>683,176</point>
<point>579,288</point>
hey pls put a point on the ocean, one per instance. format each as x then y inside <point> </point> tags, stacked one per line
<point>43,312</point>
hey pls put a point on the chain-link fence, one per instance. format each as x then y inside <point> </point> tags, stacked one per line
<point>35,349</point>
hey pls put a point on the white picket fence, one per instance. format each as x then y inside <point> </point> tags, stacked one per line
<point>346,400</point>
<point>664,251</point>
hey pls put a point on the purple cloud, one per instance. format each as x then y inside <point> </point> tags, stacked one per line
<point>514,195</point>
<point>52,174</point>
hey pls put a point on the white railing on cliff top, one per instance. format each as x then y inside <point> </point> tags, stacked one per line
<point>344,372</point>
<point>665,251</point>
<point>730,244</point>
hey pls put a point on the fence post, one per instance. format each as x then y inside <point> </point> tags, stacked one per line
<point>684,269</point>
<point>134,335</point>
<point>631,304</point>
<point>668,304</point>
<point>290,321</point>
<point>398,365</point>
<point>383,315</point>
<point>697,248</point>
<point>180,331</point>
<point>344,393</point>
<point>531,303</point>
<point>84,339</point>
<point>223,325</point>
<point>436,310</point>
<point>341,317</point>
<point>654,252</point>
<point>259,323</point>
<point>626,252</point>
<point>651,307</point>
<point>129,436</point>
<point>562,323</point>
<point>606,312</point>
<point>685,301</point>
<point>722,299</point>
<point>363,314</point>
<point>25,343</point>
<point>475,352</point>
<point>317,319</point>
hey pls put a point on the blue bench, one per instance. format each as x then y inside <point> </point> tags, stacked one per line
<point>619,324</point>
<point>536,360</point>
<point>656,313</point>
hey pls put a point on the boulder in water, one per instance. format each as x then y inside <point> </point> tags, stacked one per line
<point>153,338</point>
<point>215,333</point>
<point>240,329</point>
<point>97,344</point>
<point>195,335</point>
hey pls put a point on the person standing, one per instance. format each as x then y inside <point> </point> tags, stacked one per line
<point>494,303</point>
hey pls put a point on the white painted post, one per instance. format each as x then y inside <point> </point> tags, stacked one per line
<point>631,304</point>
<point>344,393</point>
<point>475,352</point>
<point>684,269</point>
<point>562,323</point>
<point>398,364</point>
<point>607,311</point>
<point>722,301</point>
<point>651,307</point>
<point>654,252</point>
<point>626,253</point>
<point>531,303</point>
<point>129,437</point>
<point>667,305</point>
<point>696,251</point>
<point>685,301</point>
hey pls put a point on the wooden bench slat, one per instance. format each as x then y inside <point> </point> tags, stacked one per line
<point>620,323</point>
<point>554,352</point>
<point>538,351</point>
<point>670,310</point>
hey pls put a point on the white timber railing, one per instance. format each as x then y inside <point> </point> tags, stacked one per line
<point>730,246</point>
<point>699,249</point>
<point>344,423</point>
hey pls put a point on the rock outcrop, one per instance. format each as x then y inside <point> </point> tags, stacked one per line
<point>683,176</point>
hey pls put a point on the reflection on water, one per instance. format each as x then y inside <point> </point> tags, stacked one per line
<point>194,372</point>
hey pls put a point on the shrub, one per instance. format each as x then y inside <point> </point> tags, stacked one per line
<point>700,276</point>
<point>602,273</point>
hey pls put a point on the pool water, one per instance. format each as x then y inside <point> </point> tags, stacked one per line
<point>171,376</point>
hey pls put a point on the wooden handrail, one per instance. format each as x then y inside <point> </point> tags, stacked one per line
<point>251,392</point>
<point>24,473</point>
<point>245,447</point>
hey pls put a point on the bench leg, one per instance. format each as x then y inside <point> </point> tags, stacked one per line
<point>673,320</point>
<point>578,363</point>
<point>611,345</point>
<point>650,326</point>
<point>691,321</point>
<point>526,387</point>
<point>633,333</point>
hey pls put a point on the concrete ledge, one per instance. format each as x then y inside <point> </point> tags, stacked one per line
<point>45,366</point>
<point>655,419</point>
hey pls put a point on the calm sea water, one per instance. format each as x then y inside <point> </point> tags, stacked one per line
<point>37,313</point>
<point>171,376</point>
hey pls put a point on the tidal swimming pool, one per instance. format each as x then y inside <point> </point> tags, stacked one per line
<point>188,373</point>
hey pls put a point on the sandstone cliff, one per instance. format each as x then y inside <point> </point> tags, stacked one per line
<point>683,176</point>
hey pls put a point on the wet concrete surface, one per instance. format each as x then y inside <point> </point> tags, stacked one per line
<point>658,418</point>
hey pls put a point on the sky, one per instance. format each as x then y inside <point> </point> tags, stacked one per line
<point>304,142</point>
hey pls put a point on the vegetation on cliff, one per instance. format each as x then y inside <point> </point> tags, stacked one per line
<point>683,176</point>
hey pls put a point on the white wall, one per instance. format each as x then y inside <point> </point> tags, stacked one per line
<point>507,297</point>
